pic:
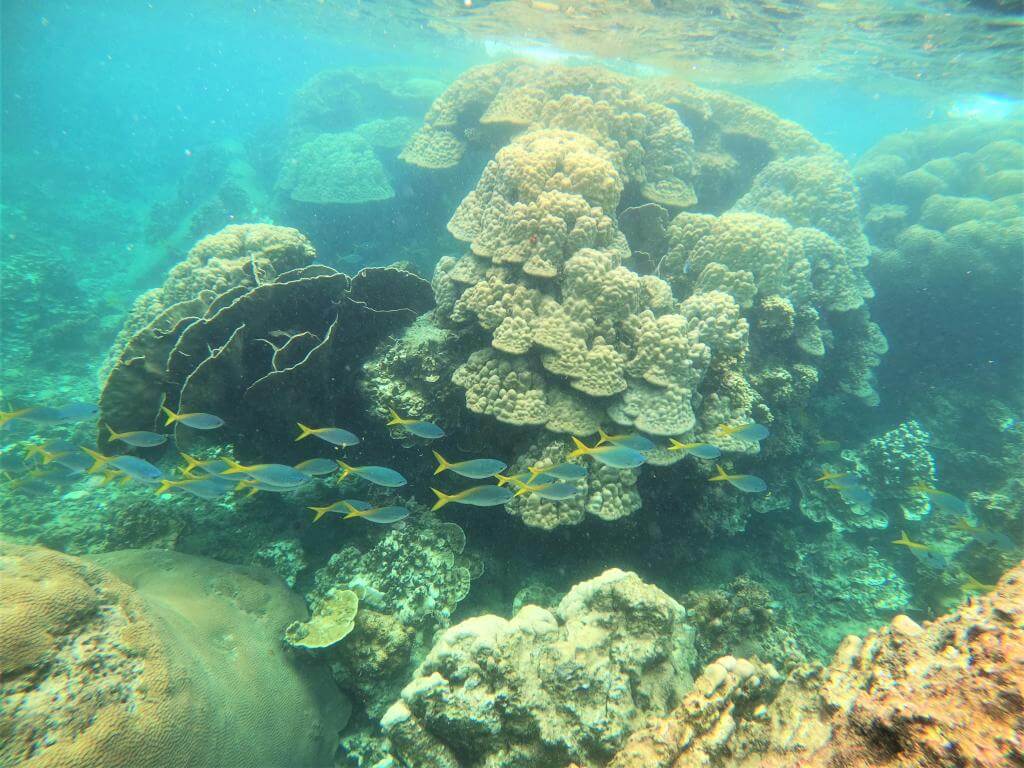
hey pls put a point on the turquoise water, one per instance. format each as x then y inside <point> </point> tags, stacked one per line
<point>768,274</point>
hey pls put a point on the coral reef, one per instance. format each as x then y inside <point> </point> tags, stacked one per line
<point>745,312</point>
<point>944,209</point>
<point>648,144</point>
<point>742,618</point>
<point>948,692</point>
<point>335,168</point>
<point>238,255</point>
<point>572,682</point>
<point>408,584</point>
<point>124,660</point>
<point>243,351</point>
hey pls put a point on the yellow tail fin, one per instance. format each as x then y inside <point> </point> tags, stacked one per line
<point>581,448</point>
<point>34,449</point>
<point>675,445</point>
<point>7,416</point>
<point>304,431</point>
<point>165,486</point>
<point>602,436</point>
<point>442,499</point>
<point>99,460</point>
<point>171,415</point>
<point>191,462</point>
<point>442,464</point>
<point>353,512</point>
<point>395,418</point>
<point>233,466</point>
<point>722,475</point>
<point>346,470</point>
<point>113,435</point>
<point>502,479</point>
<point>320,512</point>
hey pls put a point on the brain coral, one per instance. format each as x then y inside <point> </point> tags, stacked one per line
<point>572,682</point>
<point>173,661</point>
<point>335,168</point>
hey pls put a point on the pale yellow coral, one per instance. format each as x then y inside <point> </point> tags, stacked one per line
<point>333,619</point>
<point>335,168</point>
<point>544,196</point>
<point>647,142</point>
<point>606,493</point>
<point>503,387</point>
<point>655,410</point>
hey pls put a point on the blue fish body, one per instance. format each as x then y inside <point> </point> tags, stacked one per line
<point>201,420</point>
<point>383,476</point>
<point>752,432</point>
<point>568,471</point>
<point>316,467</point>
<point>704,451</point>
<point>618,456</point>
<point>278,476</point>
<point>478,469</point>
<point>78,411</point>
<point>386,515</point>
<point>424,429</point>
<point>137,468</point>
<point>141,439</point>
<point>748,483</point>
<point>559,491</point>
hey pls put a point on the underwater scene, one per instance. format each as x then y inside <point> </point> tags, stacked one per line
<point>512,384</point>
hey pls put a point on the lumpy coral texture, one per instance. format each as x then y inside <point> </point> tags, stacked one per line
<point>154,658</point>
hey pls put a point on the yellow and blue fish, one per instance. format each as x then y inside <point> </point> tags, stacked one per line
<point>634,441</point>
<point>475,469</point>
<point>477,496</point>
<point>383,476</point>
<point>194,420</point>
<point>133,466</point>
<point>609,454</point>
<point>379,515</point>
<point>138,438</point>
<point>317,467</point>
<point>278,476</point>
<point>425,429</point>
<point>700,450</point>
<point>751,431</point>
<point>333,435</point>
<point>568,471</point>
<point>745,483</point>
<point>942,499</point>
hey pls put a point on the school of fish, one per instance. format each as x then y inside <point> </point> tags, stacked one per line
<point>58,460</point>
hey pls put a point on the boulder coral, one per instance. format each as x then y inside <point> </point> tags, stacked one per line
<point>944,207</point>
<point>948,692</point>
<point>335,168</point>
<point>648,144</point>
<point>546,688</point>
<point>732,310</point>
<point>156,659</point>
